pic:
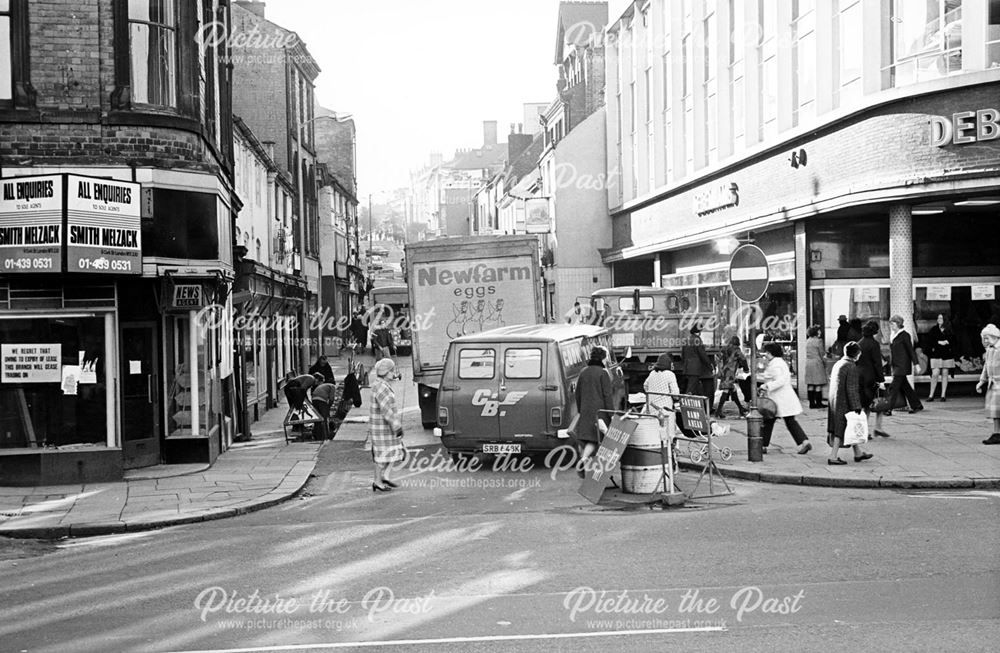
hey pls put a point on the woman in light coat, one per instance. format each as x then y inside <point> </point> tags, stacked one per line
<point>845,397</point>
<point>990,378</point>
<point>815,367</point>
<point>777,385</point>
<point>385,430</point>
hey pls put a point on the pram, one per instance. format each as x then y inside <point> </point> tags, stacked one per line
<point>688,441</point>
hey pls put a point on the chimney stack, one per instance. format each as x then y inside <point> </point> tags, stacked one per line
<point>489,133</point>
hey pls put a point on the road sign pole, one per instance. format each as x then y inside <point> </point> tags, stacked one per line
<point>755,443</point>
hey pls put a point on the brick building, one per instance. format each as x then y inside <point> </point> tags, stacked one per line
<point>273,91</point>
<point>115,232</point>
<point>855,141</point>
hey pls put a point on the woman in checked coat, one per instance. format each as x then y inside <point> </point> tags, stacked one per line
<point>385,430</point>
<point>990,377</point>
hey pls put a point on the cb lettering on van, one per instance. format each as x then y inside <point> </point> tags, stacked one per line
<point>488,400</point>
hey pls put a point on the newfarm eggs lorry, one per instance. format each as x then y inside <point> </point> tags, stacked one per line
<point>461,286</point>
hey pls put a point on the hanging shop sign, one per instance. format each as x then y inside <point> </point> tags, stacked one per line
<point>31,224</point>
<point>188,296</point>
<point>965,127</point>
<point>31,363</point>
<point>536,215</point>
<point>104,226</point>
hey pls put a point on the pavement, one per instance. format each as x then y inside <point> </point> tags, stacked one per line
<point>940,447</point>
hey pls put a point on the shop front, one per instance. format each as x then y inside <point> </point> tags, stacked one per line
<point>888,210</point>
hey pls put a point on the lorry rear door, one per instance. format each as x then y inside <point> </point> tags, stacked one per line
<point>522,400</point>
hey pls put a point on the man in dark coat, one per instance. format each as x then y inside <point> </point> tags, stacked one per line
<point>322,367</point>
<point>699,372</point>
<point>593,394</point>
<point>903,360</point>
<point>382,342</point>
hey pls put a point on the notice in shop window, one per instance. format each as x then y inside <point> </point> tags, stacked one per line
<point>31,363</point>
<point>70,379</point>
<point>939,293</point>
<point>983,293</point>
<point>868,295</point>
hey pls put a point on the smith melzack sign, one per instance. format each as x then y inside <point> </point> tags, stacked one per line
<point>95,221</point>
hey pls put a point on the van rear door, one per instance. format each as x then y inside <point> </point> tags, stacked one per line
<point>469,391</point>
<point>523,397</point>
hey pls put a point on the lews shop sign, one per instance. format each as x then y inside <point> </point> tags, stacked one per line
<point>72,223</point>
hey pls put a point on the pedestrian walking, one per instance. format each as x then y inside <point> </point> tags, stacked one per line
<point>990,377</point>
<point>777,386</point>
<point>815,366</point>
<point>322,367</point>
<point>660,383</point>
<point>323,394</point>
<point>385,428</point>
<point>870,375</point>
<point>359,330</point>
<point>699,371</point>
<point>942,356</point>
<point>593,395</point>
<point>903,358</point>
<point>845,397</point>
<point>382,341</point>
<point>733,364</point>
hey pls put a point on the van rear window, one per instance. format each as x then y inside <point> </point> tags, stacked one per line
<point>522,363</point>
<point>476,363</point>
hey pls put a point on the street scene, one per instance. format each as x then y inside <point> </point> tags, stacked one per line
<point>527,326</point>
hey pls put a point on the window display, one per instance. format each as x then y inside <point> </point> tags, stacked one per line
<point>53,389</point>
<point>967,313</point>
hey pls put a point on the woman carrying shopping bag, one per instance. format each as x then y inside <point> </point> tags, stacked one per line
<point>777,386</point>
<point>845,405</point>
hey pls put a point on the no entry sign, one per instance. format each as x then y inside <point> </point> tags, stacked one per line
<point>748,273</point>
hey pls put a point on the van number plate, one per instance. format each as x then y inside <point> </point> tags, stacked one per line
<point>501,448</point>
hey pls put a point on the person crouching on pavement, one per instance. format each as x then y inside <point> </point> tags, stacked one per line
<point>990,377</point>
<point>778,386</point>
<point>385,429</point>
<point>845,397</point>
<point>593,394</point>
<point>322,397</point>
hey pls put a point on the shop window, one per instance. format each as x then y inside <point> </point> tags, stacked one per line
<point>968,308</point>
<point>954,241</point>
<point>860,243</point>
<point>54,389</point>
<point>185,225</point>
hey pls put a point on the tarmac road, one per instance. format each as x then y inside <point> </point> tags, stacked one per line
<point>519,561</point>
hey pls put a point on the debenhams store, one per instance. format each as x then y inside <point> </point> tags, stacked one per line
<point>894,208</point>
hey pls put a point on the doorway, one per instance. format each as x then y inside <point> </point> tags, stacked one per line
<point>140,404</point>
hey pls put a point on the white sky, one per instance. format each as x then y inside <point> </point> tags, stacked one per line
<point>422,75</point>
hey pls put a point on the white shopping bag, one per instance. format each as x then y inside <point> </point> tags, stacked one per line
<point>857,429</point>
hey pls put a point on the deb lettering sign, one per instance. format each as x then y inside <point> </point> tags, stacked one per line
<point>965,127</point>
<point>30,363</point>
<point>188,296</point>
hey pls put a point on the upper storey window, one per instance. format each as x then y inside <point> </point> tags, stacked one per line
<point>6,60</point>
<point>152,26</point>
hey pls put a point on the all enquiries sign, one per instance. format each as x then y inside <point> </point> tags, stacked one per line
<point>96,222</point>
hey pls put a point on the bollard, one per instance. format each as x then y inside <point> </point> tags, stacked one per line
<point>755,443</point>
